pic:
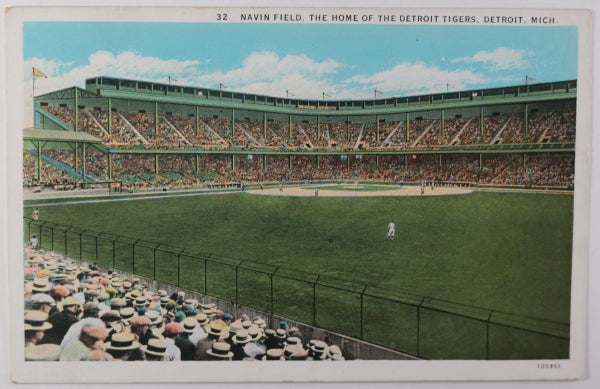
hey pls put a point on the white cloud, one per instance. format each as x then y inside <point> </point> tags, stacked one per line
<point>267,73</point>
<point>410,78</point>
<point>502,58</point>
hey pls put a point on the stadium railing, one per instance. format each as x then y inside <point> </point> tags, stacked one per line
<point>420,326</point>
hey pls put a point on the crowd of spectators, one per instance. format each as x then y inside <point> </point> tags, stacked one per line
<point>77,312</point>
<point>179,131</point>
<point>179,170</point>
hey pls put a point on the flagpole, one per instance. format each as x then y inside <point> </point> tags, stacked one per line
<point>33,97</point>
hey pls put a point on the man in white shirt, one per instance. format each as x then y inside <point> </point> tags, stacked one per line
<point>391,231</point>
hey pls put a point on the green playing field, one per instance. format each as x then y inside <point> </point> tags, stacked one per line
<point>507,252</point>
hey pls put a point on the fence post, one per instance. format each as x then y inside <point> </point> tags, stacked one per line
<point>362,295</point>
<point>272,297</point>
<point>314,285</point>
<point>52,238</point>
<point>114,252</point>
<point>237,287</point>
<point>154,256</point>
<point>29,229</point>
<point>487,336</point>
<point>205,278</point>
<point>81,244</point>
<point>179,267</point>
<point>419,326</point>
<point>133,269</point>
<point>96,239</point>
<point>66,241</point>
<point>40,234</point>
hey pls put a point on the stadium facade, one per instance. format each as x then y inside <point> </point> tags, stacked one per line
<point>157,134</point>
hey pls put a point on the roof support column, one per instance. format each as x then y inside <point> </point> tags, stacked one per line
<point>442,122</point>
<point>76,157</point>
<point>290,161</point>
<point>197,120</point>
<point>39,161</point>
<point>481,121</point>
<point>232,123</point>
<point>232,162</point>
<point>480,161</point>
<point>290,127</point>
<point>526,129</point>
<point>264,125</point>
<point>406,161</point>
<point>109,116</point>
<point>318,128</point>
<point>109,172</point>
<point>75,110</point>
<point>83,158</point>
<point>377,121</point>
<point>264,162</point>
<point>377,160</point>
<point>155,165</point>
<point>155,118</point>
<point>406,129</point>
<point>348,128</point>
<point>196,163</point>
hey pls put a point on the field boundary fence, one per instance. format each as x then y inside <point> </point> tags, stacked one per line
<point>420,326</point>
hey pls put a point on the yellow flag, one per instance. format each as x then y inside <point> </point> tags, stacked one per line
<point>36,72</point>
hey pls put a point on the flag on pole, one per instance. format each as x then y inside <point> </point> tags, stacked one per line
<point>377,93</point>
<point>172,79</point>
<point>36,73</point>
<point>528,79</point>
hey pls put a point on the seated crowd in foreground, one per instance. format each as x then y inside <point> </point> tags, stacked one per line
<point>81,313</point>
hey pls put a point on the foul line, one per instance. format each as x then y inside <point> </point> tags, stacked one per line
<point>107,200</point>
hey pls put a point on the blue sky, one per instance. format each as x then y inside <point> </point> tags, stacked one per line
<point>344,61</point>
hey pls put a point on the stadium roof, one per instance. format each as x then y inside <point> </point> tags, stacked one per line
<point>59,135</point>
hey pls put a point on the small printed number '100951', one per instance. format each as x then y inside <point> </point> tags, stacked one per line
<point>548,365</point>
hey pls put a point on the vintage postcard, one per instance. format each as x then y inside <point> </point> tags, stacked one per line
<point>308,194</point>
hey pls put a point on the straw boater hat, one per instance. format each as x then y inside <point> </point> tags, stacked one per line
<point>235,327</point>
<point>273,354</point>
<point>260,322</point>
<point>217,328</point>
<point>155,347</point>
<point>299,354</point>
<point>255,333</point>
<point>39,285</point>
<point>246,324</point>
<point>122,341</point>
<point>280,333</point>
<point>154,316</point>
<point>42,352</point>
<point>70,300</point>
<point>173,328</point>
<point>43,298</point>
<point>162,293</point>
<point>241,337</point>
<point>220,350</point>
<point>292,341</point>
<point>36,321</point>
<point>202,318</point>
<point>319,348</point>
<point>189,325</point>
<point>334,353</point>
<point>127,313</point>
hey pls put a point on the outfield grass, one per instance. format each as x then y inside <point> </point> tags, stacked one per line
<point>507,252</point>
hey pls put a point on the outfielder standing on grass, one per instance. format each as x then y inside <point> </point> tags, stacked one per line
<point>36,215</point>
<point>391,232</point>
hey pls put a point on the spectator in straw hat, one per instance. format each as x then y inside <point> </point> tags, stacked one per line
<point>75,330</point>
<point>199,331</point>
<point>220,351</point>
<point>239,340</point>
<point>172,352</point>
<point>43,302</point>
<point>63,320</point>
<point>254,349</point>
<point>43,352</point>
<point>35,325</point>
<point>334,353</point>
<point>233,328</point>
<point>39,285</point>
<point>140,327</point>
<point>274,354</point>
<point>215,332</point>
<point>89,346</point>
<point>155,350</point>
<point>188,349</point>
<point>318,350</point>
<point>124,346</point>
<point>112,321</point>
<point>271,340</point>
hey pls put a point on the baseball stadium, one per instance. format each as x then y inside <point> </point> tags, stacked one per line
<point>276,210</point>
